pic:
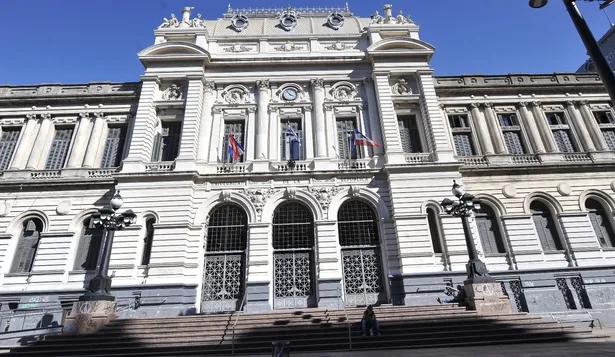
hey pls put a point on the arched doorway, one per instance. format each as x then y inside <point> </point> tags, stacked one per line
<point>361,264</point>
<point>224,276</point>
<point>293,268</point>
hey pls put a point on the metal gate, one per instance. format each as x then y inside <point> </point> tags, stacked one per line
<point>223,283</point>
<point>362,277</point>
<point>292,280</point>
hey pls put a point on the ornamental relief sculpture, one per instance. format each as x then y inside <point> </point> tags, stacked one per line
<point>344,93</point>
<point>173,92</point>
<point>259,198</point>
<point>324,195</point>
<point>186,22</point>
<point>401,87</point>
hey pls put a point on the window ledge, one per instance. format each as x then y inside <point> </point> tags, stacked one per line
<point>608,249</point>
<point>16,275</point>
<point>554,251</point>
<point>494,255</point>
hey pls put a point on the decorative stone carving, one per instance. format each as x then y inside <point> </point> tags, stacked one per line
<point>99,115</point>
<point>344,93</point>
<point>335,21</point>
<point>613,186</point>
<point>84,115</point>
<point>186,21</point>
<point>259,198</point>
<point>240,22</point>
<point>46,116</point>
<point>5,208</point>
<point>288,18</point>
<point>63,208</point>
<point>235,96</point>
<point>174,92</point>
<point>263,84</point>
<point>402,87</point>
<point>209,86</point>
<point>31,116</point>
<point>354,191</point>
<point>237,48</point>
<point>324,195</point>
<point>388,17</point>
<point>338,46</point>
<point>166,23</point>
<point>288,47</point>
<point>225,195</point>
<point>564,189</point>
<point>509,191</point>
<point>290,193</point>
<point>317,83</point>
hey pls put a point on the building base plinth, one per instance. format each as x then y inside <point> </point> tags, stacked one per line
<point>487,298</point>
<point>89,317</point>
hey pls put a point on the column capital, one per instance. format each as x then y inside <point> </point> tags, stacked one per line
<point>31,116</point>
<point>251,109</point>
<point>487,105</point>
<point>474,105</point>
<point>581,102</point>
<point>317,83</point>
<point>209,86</point>
<point>99,115</point>
<point>84,115</point>
<point>46,116</point>
<point>367,80</point>
<point>263,84</point>
<point>523,104</point>
<point>537,104</point>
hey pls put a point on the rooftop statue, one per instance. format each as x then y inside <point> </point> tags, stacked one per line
<point>388,17</point>
<point>185,22</point>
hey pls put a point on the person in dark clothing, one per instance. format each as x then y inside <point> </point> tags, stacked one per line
<point>369,322</point>
<point>458,298</point>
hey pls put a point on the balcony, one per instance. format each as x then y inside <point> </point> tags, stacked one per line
<point>63,174</point>
<point>164,166</point>
<point>577,158</point>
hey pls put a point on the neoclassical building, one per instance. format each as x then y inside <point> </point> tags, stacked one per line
<point>301,213</point>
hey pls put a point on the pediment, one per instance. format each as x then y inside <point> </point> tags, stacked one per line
<point>401,46</point>
<point>172,49</point>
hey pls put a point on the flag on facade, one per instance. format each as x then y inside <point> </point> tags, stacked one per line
<point>291,133</point>
<point>235,150</point>
<point>362,140</point>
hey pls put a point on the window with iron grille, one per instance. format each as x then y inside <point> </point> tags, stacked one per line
<point>227,229</point>
<point>561,132</point>
<point>606,122</point>
<point>59,148</point>
<point>462,135</point>
<point>345,139</point>
<point>148,241</point>
<point>114,147</point>
<point>409,133</point>
<point>545,226</point>
<point>88,247</point>
<point>8,142</point>
<point>489,230</point>
<point>600,223</point>
<point>27,246</point>
<point>435,230</point>
<point>166,142</point>
<point>293,227</point>
<point>235,127</point>
<point>513,137</point>
<point>291,147</point>
<point>357,224</point>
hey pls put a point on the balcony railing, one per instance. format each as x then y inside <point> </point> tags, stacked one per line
<point>533,159</point>
<point>160,166</point>
<point>418,158</point>
<point>236,168</point>
<point>285,167</point>
<point>359,164</point>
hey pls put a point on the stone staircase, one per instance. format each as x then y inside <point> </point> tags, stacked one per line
<point>306,330</point>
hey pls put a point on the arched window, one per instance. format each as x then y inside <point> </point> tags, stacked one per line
<point>489,230</point>
<point>148,240</point>
<point>600,222</point>
<point>293,241</point>
<point>27,246</point>
<point>227,240</point>
<point>358,234</point>
<point>88,249</point>
<point>545,226</point>
<point>434,230</point>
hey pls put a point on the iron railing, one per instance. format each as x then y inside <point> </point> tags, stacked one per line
<point>339,298</point>
<point>243,301</point>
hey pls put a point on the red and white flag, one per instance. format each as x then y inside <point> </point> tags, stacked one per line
<point>362,140</point>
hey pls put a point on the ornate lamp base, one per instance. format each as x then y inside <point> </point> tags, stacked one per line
<point>89,316</point>
<point>483,292</point>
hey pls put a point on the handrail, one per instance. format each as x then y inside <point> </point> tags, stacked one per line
<point>5,318</point>
<point>243,300</point>
<point>339,298</point>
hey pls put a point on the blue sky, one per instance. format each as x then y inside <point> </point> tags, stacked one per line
<point>69,41</point>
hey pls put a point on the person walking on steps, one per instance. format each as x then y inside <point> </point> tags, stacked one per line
<point>369,322</point>
<point>459,297</point>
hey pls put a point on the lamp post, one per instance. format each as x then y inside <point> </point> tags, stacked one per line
<point>109,221</point>
<point>596,55</point>
<point>463,207</point>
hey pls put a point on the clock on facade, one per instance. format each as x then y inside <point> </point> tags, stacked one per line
<point>290,94</point>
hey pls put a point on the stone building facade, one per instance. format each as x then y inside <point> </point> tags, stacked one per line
<point>308,219</point>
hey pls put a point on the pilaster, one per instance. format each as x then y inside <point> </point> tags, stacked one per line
<point>374,120</point>
<point>580,127</point>
<point>206,121</point>
<point>390,131</point>
<point>494,129</point>
<point>532,128</point>
<point>587,117</point>
<point>432,116</point>
<point>543,128</point>
<point>36,156</point>
<point>188,147</point>
<point>320,140</point>
<point>81,140</point>
<point>95,139</point>
<point>258,279</point>
<point>483,130</point>
<point>329,265</point>
<point>24,148</point>
<point>262,121</point>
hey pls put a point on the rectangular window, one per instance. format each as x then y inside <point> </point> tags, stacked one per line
<point>509,123</point>
<point>345,139</point>
<point>462,135</point>
<point>409,133</point>
<point>606,122</point>
<point>8,142</point>
<point>561,132</point>
<point>235,127</point>
<point>114,147</point>
<point>59,148</point>
<point>166,143</point>
<point>291,147</point>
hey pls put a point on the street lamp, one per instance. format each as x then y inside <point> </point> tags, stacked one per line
<point>109,221</point>
<point>463,207</point>
<point>596,55</point>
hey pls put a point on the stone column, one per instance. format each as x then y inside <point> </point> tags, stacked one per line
<point>188,146</point>
<point>97,133</point>
<point>34,163</point>
<point>24,148</point>
<point>262,121</point>
<point>206,121</point>
<point>494,128</point>
<point>592,126</point>
<point>483,130</point>
<point>581,129</point>
<point>530,124</point>
<point>81,141</point>
<point>543,127</point>
<point>374,119</point>
<point>320,139</point>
